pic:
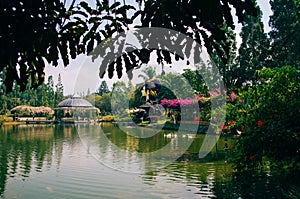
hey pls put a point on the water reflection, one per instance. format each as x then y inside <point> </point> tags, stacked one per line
<point>51,162</point>
<point>27,149</point>
<point>122,151</point>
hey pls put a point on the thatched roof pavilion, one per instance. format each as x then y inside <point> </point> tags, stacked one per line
<point>25,110</point>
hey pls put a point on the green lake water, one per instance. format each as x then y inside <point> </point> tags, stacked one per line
<point>104,161</point>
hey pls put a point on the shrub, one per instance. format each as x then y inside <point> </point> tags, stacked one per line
<point>267,117</point>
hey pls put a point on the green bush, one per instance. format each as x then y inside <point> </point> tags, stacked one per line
<point>267,119</point>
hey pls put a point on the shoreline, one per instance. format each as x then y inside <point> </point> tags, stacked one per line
<point>12,123</point>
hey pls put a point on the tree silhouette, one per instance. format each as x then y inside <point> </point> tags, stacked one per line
<point>35,33</point>
<point>103,88</point>
<point>285,33</point>
<point>253,53</point>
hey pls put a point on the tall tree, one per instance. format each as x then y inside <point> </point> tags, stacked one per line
<point>50,92</point>
<point>32,97</point>
<point>103,103</point>
<point>103,88</point>
<point>13,98</point>
<point>253,52</point>
<point>119,94</point>
<point>59,93</point>
<point>225,69</point>
<point>285,34</point>
<point>42,96</point>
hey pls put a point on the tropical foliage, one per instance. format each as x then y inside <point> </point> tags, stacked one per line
<point>42,32</point>
<point>265,121</point>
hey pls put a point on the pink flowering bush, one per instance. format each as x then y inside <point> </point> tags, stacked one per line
<point>200,101</point>
<point>173,103</point>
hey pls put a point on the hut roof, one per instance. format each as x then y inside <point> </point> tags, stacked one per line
<point>29,110</point>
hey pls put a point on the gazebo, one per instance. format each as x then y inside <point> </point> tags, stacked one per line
<point>77,109</point>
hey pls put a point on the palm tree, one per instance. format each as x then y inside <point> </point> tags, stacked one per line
<point>148,73</point>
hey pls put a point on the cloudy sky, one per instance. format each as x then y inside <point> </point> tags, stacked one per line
<point>82,74</point>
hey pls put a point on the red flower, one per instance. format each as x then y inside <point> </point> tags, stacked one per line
<point>224,127</point>
<point>243,128</point>
<point>232,123</point>
<point>233,96</point>
<point>259,123</point>
<point>251,157</point>
<point>197,119</point>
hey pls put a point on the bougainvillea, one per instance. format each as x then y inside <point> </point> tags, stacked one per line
<point>172,103</point>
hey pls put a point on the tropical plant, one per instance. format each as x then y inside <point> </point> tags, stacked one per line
<point>267,118</point>
<point>47,30</point>
<point>147,73</point>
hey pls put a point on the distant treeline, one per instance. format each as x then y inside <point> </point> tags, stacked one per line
<point>46,94</point>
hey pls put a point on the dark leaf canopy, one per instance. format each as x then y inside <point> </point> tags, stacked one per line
<point>205,19</point>
<point>33,33</point>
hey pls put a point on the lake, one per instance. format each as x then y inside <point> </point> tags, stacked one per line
<point>109,161</point>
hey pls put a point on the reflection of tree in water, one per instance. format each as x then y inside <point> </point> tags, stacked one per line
<point>199,178</point>
<point>133,143</point>
<point>217,180</point>
<point>264,186</point>
<point>26,149</point>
